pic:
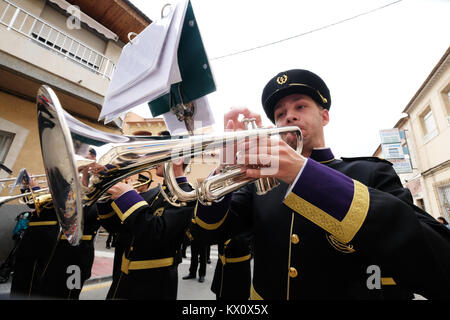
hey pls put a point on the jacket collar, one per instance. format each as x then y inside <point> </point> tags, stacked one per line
<point>322,155</point>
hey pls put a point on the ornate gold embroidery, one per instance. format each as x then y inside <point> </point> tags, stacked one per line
<point>338,245</point>
<point>343,230</point>
<point>158,212</point>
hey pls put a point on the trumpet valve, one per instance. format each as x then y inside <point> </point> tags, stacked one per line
<point>264,185</point>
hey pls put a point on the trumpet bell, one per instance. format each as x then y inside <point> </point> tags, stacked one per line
<point>65,144</point>
<point>58,157</point>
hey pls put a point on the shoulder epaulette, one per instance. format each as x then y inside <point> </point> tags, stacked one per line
<point>373,159</point>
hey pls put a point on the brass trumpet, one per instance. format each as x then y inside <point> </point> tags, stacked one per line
<point>64,140</point>
<point>6,199</point>
<point>15,178</point>
<point>135,185</point>
<point>44,200</point>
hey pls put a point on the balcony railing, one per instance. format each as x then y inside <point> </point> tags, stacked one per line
<point>36,29</point>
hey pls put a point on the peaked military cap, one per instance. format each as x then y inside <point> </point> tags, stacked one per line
<point>294,81</point>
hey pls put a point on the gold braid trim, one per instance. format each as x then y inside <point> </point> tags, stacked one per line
<point>107,215</point>
<point>203,224</point>
<point>344,230</point>
<point>254,295</point>
<point>130,210</point>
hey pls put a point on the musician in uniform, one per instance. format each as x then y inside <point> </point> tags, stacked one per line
<point>113,224</point>
<point>150,233</point>
<point>45,260</point>
<point>334,228</point>
<point>198,261</point>
<point>232,275</point>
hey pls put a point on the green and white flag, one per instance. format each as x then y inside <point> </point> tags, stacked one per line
<point>165,66</point>
<point>196,81</point>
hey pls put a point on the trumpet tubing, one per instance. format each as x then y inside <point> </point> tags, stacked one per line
<point>38,182</point>
<point>6,199</point>
<point>135,185</point>
<point>14,178</point>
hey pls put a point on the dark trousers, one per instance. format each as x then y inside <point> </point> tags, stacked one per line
<point>198,256</point>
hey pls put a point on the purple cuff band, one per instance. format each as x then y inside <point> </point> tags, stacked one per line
<point>325,188</point>
<point>216,212</point>
<point>181,179</point>
<point>127,200</point>
<point>23,190</point>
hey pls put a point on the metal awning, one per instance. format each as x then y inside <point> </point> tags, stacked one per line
<point>86,19</point>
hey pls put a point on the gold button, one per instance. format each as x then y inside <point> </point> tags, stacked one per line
<point>293,272</point>
<point>295,239</point>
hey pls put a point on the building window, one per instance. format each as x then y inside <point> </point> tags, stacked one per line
<point>420,203</point>
<point>142,133</point>
<point>6,139</point>
<point>444,197</point>
<point>445,96</point>
<point>429,125</point>
<point>447,105</point>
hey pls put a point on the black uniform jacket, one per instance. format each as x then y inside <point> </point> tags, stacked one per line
<point>232,276</point>
<point>149,236</point>
<point>44,258</point>
<point>346,229</point>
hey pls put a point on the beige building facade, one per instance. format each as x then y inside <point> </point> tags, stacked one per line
<point>427,130</point>
<point>71,46</point>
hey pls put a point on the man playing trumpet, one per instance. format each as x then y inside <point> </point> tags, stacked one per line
<point>45,260</point>
<point>334,228</point>
<point>149,236</point>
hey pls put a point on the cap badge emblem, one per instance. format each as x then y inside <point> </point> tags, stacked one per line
<point>282,79</point>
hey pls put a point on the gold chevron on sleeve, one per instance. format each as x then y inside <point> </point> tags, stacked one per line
<point>127,213</point>
<point>106,215</point>
<point>343,230</point>
<point>208,226</point>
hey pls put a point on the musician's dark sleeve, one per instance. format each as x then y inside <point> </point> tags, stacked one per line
<point>140,219</point>
<point>224,219</point>
<point>107,217</point>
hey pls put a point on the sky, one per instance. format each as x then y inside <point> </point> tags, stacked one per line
<point>373,60</point>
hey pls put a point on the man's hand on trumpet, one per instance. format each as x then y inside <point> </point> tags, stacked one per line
<point>261,156</point>
<point>120,188</point>
<point>231,119</point>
